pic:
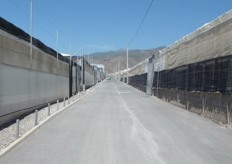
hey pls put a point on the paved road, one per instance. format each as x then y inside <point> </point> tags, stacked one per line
<point>117,124</point>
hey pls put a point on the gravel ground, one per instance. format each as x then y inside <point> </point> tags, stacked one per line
<point>8,134</point>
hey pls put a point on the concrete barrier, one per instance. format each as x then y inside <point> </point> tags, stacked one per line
<point>22,88</point>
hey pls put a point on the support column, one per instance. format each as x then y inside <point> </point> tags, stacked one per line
<point>78,78</point>
<point>229,76</point>
<point>150,76</point>
<point>83,76</point>
<point>70,78</point>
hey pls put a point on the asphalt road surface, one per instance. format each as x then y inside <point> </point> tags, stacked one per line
<point>117,124</point>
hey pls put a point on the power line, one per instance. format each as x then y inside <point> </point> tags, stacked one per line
<point>42,15</point>
<point>41,26</point>
<point>20,8</point>
<point>140,23</point>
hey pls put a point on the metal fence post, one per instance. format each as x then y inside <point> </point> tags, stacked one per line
<point>187,106</point>
<point>49,105</point>
<point>57,105</point>
<point>203,106</point>
<point>73,97</point>
<point>64,101</point>
<point>228,114</point>
<point>17,129</point>
<point>36,117</point>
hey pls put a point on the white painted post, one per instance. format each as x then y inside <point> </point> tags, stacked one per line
<point>64,101</point>
<point>73,97</point>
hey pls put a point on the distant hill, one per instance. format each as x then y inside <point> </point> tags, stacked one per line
<point>116,60</point>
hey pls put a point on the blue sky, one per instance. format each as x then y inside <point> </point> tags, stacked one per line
<point>105,25</point>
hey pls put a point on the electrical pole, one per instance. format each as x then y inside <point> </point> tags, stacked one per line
<point>127,64</point>
<point>31,26</point>
<point>57,44</point>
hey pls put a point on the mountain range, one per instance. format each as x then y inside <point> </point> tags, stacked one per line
<point>116,60</point>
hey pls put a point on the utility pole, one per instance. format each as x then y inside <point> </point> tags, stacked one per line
<point>31,26</point>
<point>118,69</point>
<point>57,45</point>
<point>127,64</point>
<point>82,53</point>
<point>83,69</point>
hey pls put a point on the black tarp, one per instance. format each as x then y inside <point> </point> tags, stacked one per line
<point>207,76</point>
<point>19,33</point>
